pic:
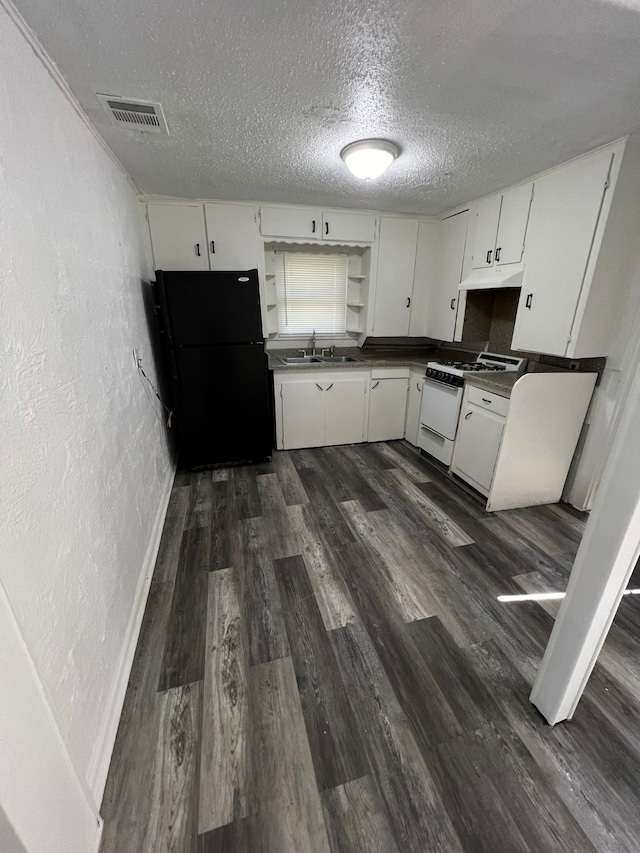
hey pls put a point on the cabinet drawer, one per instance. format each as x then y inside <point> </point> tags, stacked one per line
<point>486,400</point>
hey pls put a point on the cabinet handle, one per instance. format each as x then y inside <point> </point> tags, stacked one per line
<point>329,388</point>
<point>213,247</point>
<point>408,302</point>
<point>313,226</point>
<point>418,386</point>
<point>198,249</point>
<point>453,304</point>
<point>529,300</point>
<point>484,400</point>
<point>489,253</point>
<point>319,387</point>
<point>498,254</point>
<point>326,228</point>
<point>468,415</point>
<point>375,386</point>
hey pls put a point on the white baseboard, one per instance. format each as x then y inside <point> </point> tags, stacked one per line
<point>101,757</point>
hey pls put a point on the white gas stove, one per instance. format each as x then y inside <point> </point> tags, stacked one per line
<point>442,398</point>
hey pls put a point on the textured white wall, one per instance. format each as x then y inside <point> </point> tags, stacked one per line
<point>84,467</point>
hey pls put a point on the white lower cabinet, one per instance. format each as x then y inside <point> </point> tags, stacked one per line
<point>320,410</point>
<point>387,405</point>
<point>344,401</point>
<point>478,440</point>
<point>414,401</point>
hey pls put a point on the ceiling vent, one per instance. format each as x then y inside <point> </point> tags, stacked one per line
<point>144,116</point>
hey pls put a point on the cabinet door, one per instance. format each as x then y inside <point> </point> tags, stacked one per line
<point>178,237</point>
<point>477,444</point>
<point>387,408</point>
<point>352,227</point>
<point>302,414</point>
<point>562,223</point>
<point>290,222</point>
<point>233,238</point>
<point>344,411</point>
<point>443,302</point>
<point>514,215</point>
<point>394,280</point>
<point>484,241</point>
<point>414,400</point>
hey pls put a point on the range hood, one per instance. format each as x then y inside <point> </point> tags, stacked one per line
<point>494,278</point>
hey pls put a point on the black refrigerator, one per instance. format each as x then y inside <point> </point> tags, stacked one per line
<point>218,368</point>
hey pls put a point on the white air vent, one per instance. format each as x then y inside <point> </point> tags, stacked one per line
<point>145,116</point>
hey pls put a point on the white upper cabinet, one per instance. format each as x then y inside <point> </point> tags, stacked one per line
<point>232,237</point>
<point>500,227</point>
<point>178,237</point>
<point>299,223</point>
<point>564,216</point>
<point>424,279</point>
<point>397,246</point>
<point>486,230</point>
<point>512,229</point>
<point>295,222</point>
<point>348,227</point>
<point>443,301</point>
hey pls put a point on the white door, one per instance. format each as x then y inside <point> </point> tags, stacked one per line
<point>484,240</point>
<point>394,279</point>
<point>514,215</point>
<point>414,399</point>
<point>562,223</point>
<point>387,408</point>
<point>178,236</point>
<point>302,414</point>
<point>477,444</point>
<point>290,222</point>
<point>233,240</point>
<point>344,402</point>
<point>443,302</point>
<point>352,227</point>
<point>440,407</point>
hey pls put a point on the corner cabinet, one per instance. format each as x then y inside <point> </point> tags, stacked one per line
<point>315,224</point>
<point>442,308</point>
<point>397,246</point>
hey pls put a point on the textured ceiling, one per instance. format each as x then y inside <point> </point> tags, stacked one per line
<point>261,96</point>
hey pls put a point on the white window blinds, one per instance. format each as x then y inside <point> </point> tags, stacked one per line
<point>312,293</point>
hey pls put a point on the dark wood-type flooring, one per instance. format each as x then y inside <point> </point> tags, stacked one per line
<point>324,666</point>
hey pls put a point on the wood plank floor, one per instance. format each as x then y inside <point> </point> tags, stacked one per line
<point>324,667</point>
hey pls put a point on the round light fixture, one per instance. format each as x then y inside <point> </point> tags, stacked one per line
<point>367,159</point>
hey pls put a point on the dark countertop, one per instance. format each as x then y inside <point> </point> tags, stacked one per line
<point>366,360</point>
<point>498,383</point>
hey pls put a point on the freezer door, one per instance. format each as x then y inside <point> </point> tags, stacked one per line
<point>224,404</point>
<point>203,308</point>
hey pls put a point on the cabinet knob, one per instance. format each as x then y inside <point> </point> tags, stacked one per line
<point>453,304</point>
<point>489,253</point>
<point>198,249</point>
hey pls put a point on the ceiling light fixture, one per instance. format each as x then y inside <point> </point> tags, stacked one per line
<point>367,159</point>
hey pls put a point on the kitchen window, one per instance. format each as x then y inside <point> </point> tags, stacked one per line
<point>311,291</point>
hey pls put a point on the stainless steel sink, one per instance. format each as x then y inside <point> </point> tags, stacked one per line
<point>302,359</point>
<point>337,359</point>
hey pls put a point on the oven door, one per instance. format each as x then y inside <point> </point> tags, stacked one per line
<point>440,407</point>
